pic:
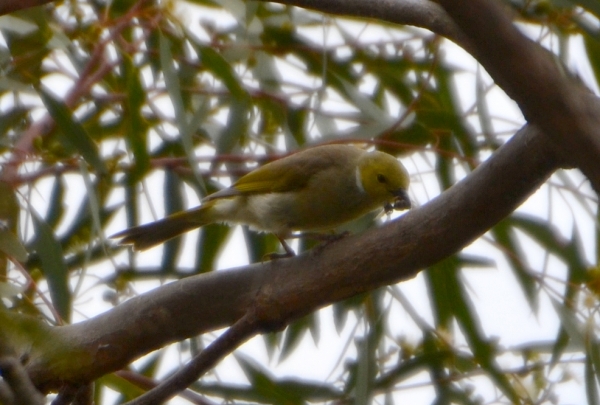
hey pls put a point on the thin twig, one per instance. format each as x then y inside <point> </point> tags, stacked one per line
<point>242,330</point>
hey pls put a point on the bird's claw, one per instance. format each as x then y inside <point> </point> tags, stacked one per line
<point>276,256</point>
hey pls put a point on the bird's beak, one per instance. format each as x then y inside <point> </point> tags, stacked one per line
<point>401,200</point>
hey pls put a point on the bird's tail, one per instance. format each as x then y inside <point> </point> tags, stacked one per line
<point>146,236</point>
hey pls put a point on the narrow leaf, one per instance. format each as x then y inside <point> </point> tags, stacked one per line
<point>11,245</point>
<point>136,127</point>
<point>53,266</point>
<point>173,204</point>
<point>72,131</point>
<point>174,90</point>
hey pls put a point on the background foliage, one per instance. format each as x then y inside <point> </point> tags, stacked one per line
<point>113,115</point>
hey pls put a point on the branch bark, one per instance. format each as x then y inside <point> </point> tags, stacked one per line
<point>424,14</point>
<point>10,6</point>
<point>291,288</point>
<point>15,386</point>
<point>566,112</point>
<point>419,13</point>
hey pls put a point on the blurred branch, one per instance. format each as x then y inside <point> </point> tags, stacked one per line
<point>242,330</point>
<point>425,14</point>
<point>75,395</point>
<point>288,289</point>
<point>566,112</point>
<point>146,383</point>
<point>419,13</point>
<point>9,6</point>
<point>15,386</point>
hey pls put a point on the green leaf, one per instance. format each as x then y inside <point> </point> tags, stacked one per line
<point>10,290</point>
<point>9,84</point>
<point>135,135</point>
<point>365,372</point>
<point>218,66</point>
<point>72,131</point>
<point>593,351</point>
<point>172,81</point>
<point>440,281</point>
<point>9,206</point>
<point>560,345</point>
<point>504,236</point>
<point>53,266</point>
<point>94,203</point>
<point>264,386</point>
<point>211,241</point>
<point>570,322</point>
<point>589,5</point>
<point>433,357</point>
<point>57,202</point>
<point>297,119</point>
<point>17,25</point>
<point>483,112</point>
<point>452,301</point>
<point>236,128</point>
<point>173,203</point>
<point>364,104</point>
<point>259,244</point>
<point>294,333</point>
<point>185,128</point>
<point>127,389</point>
<point>9,220</point>
<point>591,389</point>
<point>312,392</point>
<point>12,246</point>
<point>151,364</point>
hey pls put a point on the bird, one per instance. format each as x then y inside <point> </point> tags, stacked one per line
<point>311,191</point>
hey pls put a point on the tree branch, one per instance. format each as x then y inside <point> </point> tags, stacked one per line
<point>15,386</point>
<point>9,6</point>
<point>419,13</point>
<point>291,288</point>
<point>566,112</point>
<point>242,330</point>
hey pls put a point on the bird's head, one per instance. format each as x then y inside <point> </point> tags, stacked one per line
<point>384,179</point>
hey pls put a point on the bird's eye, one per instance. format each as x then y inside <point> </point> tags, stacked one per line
<point>381,178</point>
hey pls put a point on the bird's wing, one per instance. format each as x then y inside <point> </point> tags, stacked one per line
<point>273,177</point>
<point>288,174</point>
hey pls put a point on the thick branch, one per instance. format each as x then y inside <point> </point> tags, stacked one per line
<point>9,6</point>
<point>295,287</point>
<point>566,112</point>
<point>419,13</point>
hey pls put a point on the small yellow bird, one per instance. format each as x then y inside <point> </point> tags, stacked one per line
<point>313,190</point>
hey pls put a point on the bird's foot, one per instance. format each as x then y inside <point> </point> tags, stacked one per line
<point>289,252</point>
<point>327,239</point>
<point>275,256</point>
